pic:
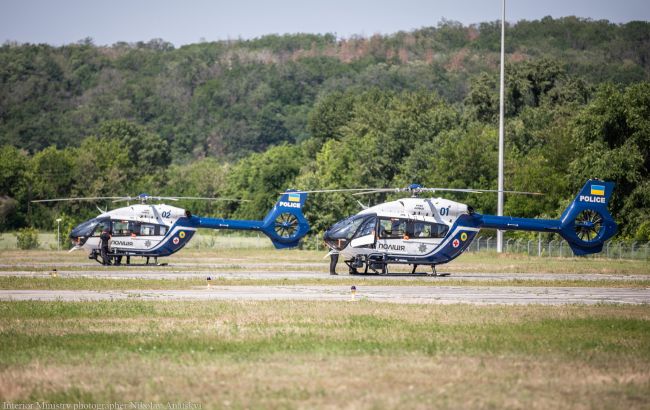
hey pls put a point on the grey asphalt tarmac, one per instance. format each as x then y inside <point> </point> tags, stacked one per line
<point>111,272</point>
<point>332,291</point>
<point>394,294</point>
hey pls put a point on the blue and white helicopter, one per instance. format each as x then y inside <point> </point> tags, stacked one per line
<point>158,230</point>
<point>433,231</point>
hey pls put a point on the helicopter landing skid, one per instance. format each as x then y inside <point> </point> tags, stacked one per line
<point>379,266</point>
<point>115,259</point>
<point>434,272</point>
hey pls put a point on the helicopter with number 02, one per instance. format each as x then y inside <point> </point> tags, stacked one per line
<point>158,230</point>
<point>433,231</point>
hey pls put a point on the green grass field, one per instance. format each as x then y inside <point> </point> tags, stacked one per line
<point>234,259</point>
<point>284,354</point>
<point>326,355</point>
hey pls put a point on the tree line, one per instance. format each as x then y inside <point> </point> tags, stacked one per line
<point>248,119</point>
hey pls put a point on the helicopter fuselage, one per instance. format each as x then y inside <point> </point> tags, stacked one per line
<point>419,231</point>
<point>433,231</point>
<point>140,230</point>
<point>161,230</point>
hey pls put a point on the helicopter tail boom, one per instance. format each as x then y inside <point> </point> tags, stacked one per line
<point>285,224</point>
<point>585,224</point>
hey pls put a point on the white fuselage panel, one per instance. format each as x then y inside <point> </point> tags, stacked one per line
<point>434,210</point>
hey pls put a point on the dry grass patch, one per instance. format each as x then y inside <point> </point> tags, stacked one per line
<point>363,381</point>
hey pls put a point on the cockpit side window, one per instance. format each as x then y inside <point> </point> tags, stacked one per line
<point>392,228</point>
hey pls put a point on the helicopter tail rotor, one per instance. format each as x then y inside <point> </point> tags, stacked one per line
<point>285,224</point>
<point>586,223</point>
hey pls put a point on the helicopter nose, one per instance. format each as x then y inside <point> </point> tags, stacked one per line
<point>75,240</point>
<point>78,236</point>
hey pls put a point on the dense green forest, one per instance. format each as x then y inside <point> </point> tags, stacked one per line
<point>250,118</point>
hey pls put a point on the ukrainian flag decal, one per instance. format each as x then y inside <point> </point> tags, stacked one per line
<point>598,190</point>
<point>296,197</point>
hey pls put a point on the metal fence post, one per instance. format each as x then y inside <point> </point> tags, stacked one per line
<point>620,250</point>
<point>539,244</point>
<point>550,248</point>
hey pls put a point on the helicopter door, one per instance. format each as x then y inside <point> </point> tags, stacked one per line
<point>365,235</point>
<point>392,235</point>
<point>138,238</point>
<point>124,238</point>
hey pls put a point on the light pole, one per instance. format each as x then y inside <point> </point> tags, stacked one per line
<point>501,132</point>
<point>58,234</point>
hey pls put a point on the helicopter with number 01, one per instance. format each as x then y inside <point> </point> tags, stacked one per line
<point>433,231</point>
<point>154,231</point>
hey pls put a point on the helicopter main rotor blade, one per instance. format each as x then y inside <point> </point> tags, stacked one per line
<point>330,190</point>
<point>141,198</point>
<point>93,198</point>
<point>377,191</point>
<point>137,198</point>
<point>510,192</point>
<point>467,191</point>
<point>176,198</point>
<point>366,191</point>
<point>200,198</point>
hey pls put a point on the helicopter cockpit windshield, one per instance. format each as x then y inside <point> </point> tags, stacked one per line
<point>92,227</point>
<point>340,234</point>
